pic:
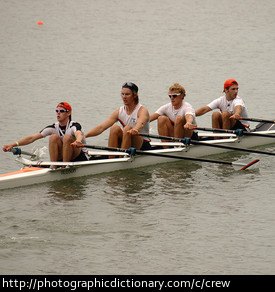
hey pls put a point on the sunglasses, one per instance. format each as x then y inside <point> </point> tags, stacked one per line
<point>174,95</point>
<point>130,85</point>
<point>61,111</point>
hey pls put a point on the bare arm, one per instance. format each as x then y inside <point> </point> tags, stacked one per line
<point>24,141</point>
<point>189,122</point>
<point>79,136</point>
<point>237,112</point>
<point>143,117</point>
<point>154,116</point>
<point>105,125</point>
<point>203,110</point>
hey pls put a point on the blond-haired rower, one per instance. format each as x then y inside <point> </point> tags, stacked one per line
<point>176,118</point>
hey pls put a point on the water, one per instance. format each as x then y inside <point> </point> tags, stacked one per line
<point>182,218</point>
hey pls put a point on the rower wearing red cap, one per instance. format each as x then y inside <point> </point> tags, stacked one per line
<point>232,109</point>
<point>64,135</point>
<point>176,118</point>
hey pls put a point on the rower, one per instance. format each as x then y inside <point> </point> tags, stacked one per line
<point>64,135</point>
<point>176,118</point>
<point>232,109</point>
<point>134,119</point>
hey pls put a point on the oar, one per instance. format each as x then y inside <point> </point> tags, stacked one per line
<point>187,141</point>
<point>18,151</point>
<point>257,120</point>
<point>238,132</point>
<point>133,151</point>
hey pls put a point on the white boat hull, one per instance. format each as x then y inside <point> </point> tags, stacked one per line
<point>38,174</point>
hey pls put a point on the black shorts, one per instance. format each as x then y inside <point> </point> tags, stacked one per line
<point>238,125</point>
<point>80,157</point>
<point>194,136</point>
<point>146,145</point>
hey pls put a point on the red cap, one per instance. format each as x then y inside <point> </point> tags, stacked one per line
<point>229,82</point>
<point>65,105</point>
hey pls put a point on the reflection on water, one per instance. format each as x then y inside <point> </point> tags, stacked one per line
<point>171,178</point>
<point>74,189</point>
<point>129,182</point>
<point>143,189</point>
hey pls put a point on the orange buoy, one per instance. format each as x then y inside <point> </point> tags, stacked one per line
<point>40,22</point>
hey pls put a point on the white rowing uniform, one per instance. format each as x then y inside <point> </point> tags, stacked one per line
<point>131,120</point>
<point>225,105</point>
<point>61,131</point>
<point>169,111</point>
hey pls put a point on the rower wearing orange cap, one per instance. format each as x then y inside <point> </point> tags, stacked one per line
<point>232,109</point>
<point>64,135</point>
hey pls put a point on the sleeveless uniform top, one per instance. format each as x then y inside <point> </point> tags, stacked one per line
<point>61,131</point>
<point>224,105</point>
<point>131,120</point>
<point>169,111</point>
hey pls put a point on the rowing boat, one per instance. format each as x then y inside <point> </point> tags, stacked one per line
<point>35,171</point>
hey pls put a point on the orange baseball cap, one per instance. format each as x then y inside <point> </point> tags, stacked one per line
<point>229,82</point>
<point>65,105</point>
